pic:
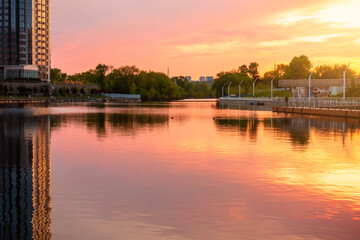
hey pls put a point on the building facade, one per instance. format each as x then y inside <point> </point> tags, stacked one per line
<point>25,39</point>
<point>209,78</point>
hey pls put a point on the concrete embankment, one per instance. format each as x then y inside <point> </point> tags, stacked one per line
<point>319,111</point>
<point>247,101</point>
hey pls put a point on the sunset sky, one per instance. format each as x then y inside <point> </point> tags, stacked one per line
<point>203,37</point>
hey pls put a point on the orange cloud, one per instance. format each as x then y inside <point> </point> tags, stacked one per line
<point>203,37</point>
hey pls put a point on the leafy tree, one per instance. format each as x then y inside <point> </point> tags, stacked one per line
<point>299,68</point>
<point>181,81</point>
<point>253,70</point>
<point>61,91</point>
<point>243,69</point>
<point>56,91</point>
<point>132,89</point>
<point>225,78</point>
<point>333,72</point>
<point>56,76</point>
<point>74,90</point>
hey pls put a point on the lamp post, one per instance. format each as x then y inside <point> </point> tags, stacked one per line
<point>272,86</point>
<point>222,90</point>
<point>310,85</point>
<point>240,88</point>
<point>254,87</point>
<point>344,87</point>
<point>229,90</point>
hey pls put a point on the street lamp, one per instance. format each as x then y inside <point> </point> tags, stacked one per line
<point>240,88</point>
<point>272,86</point>
<point>229,90</point>
<point>310,85</point>
<point>223,90</point>
<point>254,87</point>
<point>344,87</point>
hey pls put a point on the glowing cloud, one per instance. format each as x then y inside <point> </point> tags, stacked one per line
<point>203,37</point>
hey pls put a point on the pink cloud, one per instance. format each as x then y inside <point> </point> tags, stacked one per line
<point>192,37</point>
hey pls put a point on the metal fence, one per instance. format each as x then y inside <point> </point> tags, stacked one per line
<point>329,103</point>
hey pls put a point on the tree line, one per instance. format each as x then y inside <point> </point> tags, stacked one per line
<point>153,86</point>
<point>157,86</point>
<point>299,68</point>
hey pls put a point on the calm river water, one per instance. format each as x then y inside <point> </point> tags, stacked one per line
<point>176,171</point>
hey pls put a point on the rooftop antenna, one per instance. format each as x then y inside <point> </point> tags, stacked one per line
<point>168,72</point>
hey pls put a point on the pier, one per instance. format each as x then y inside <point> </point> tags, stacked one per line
<point>248,101</point>
<point>322,107</point>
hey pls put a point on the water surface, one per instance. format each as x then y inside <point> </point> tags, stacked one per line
<point>177,171</point>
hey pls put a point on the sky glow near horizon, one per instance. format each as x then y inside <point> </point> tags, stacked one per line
<point>203,37</point>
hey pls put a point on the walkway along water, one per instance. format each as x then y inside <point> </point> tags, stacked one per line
<point>325,107</point>
<point>317,106</point>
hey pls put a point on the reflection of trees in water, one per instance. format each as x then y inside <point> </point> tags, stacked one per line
<point>25,202</point>
<point>103,123</point>
<point>240,124</point>
<point>297,128</point>
<point>243,125</point>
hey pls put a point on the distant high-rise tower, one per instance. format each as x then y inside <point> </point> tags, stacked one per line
<point>25,27</point>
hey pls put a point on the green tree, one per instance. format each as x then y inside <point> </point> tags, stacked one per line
<point>225,78</point>
<point>253,70</point>
<point>299,68</point>
<point>82,91</point>
<point>243,69</point>
<point>56,91</point>
<point>132,89</point>
<point>56,76</point>
<point>333,72</point>
<point>181,81</point>
<point>74,90</point>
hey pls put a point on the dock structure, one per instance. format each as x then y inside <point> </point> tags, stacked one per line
<point>319,111</point>
<point>322,107</point>
<point>248,101</point>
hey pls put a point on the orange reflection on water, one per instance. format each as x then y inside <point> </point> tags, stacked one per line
<point>204,171</point>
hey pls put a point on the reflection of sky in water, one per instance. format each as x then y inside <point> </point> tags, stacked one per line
<point>136,173</point>
<point>196,171</point>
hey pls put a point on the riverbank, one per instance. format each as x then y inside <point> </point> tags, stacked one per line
<point>48,100</point>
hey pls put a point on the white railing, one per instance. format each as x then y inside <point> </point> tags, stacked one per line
<point>327,103</point>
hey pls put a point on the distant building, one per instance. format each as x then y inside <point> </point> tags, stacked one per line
<point>202,79</point>
<point>25,39</point>
<point>209,78</point>
<point>188,78</point>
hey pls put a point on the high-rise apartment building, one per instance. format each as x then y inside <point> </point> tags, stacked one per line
<point>25,27</point>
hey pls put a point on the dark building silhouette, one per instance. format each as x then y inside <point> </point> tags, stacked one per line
<point>25,27</point>
<point>25,175</point>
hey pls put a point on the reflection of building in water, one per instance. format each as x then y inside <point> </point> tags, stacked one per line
<point>25,201</point>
